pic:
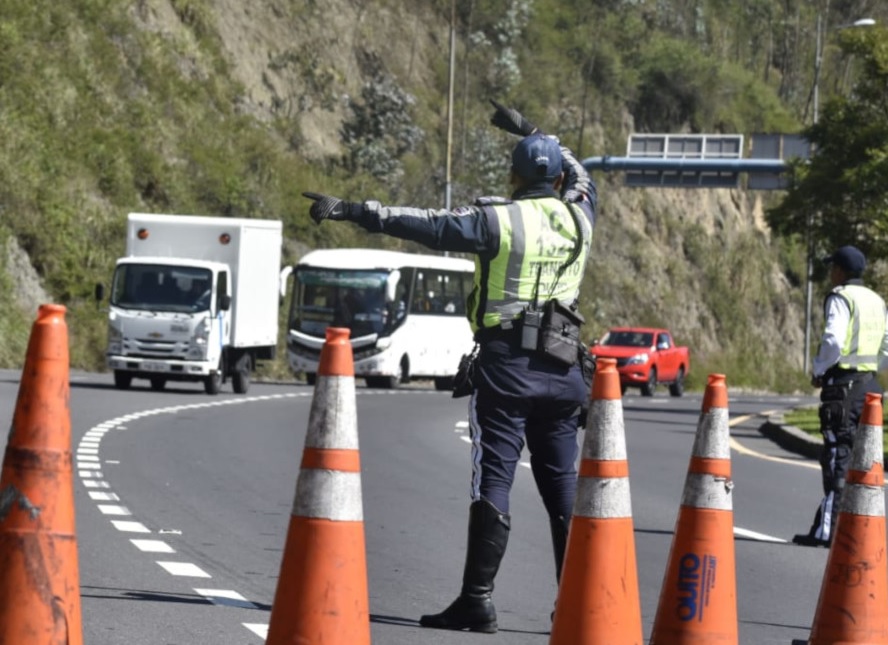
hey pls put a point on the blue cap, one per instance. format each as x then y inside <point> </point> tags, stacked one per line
<point>848,258</point>
<point>537,157</point>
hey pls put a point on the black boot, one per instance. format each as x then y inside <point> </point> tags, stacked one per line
<point>473,610</point>
<point>559,526</point>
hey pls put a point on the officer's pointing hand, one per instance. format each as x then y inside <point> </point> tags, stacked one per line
<point>332,208</point>
<point>511,120</point>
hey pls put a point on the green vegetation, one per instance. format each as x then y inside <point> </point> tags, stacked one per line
<point>106,110</point>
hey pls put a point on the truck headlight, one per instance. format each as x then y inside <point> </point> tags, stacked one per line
<point>638,359</point>
<point>201,332</point>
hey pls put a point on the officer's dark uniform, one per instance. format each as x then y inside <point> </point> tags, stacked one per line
<point>845,383</point>
<point>519,245</point>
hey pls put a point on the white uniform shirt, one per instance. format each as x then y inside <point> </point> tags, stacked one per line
<point>838,317</point>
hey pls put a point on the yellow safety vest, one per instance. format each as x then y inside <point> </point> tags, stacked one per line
<point>866,330</point>
<point>537,236</point>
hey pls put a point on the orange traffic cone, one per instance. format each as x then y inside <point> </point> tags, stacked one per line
<point>322,594</point>
<point>39,575</point>
<point>853,603</point>
<point>698,600</point>
<point>598,599</point>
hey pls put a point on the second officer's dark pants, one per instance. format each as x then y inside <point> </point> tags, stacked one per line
<point>841,405</point>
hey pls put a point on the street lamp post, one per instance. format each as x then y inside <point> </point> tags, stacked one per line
<point>809,234</point>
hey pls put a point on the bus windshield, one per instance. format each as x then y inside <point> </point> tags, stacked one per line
<point>156,287</point>
<point>355,299</point>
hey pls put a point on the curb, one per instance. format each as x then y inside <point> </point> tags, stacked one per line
<point>791,438</point>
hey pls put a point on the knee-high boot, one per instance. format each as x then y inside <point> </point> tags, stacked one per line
<point>559,526</point>
<point>473,610</point>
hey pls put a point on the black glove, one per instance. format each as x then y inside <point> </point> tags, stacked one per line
<point>333,208</point>
<point>511,120</point>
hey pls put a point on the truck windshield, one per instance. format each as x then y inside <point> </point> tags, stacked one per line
<point>342,298</point>
<point>156,287</point>
<point>628,339</point>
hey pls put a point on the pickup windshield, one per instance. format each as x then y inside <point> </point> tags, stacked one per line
<point>156,287</point>
<point>628,339</point>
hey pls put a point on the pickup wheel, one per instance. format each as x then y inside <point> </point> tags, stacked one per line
<point>158,383</point>
<point>648,388</point>
<point>677,387</point>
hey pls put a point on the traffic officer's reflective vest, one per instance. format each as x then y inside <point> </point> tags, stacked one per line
<point>860,349</point>
<point>537,237</point>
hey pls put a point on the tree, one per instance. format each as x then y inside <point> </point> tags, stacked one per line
<point>842,192</point>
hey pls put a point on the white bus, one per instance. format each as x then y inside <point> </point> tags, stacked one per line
<point>406,313</point>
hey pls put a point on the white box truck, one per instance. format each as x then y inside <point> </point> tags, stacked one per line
<point>194,299</point>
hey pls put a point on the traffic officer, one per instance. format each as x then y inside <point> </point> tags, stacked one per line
<point>520,246</point>
<point>853,349</point>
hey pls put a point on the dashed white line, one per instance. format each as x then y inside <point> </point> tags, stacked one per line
<point>114,509</point>
<point>184,569</point>
<point>103,497</point>
<point>130,527</point>
<point>152,546</point>
<point>226,598</point>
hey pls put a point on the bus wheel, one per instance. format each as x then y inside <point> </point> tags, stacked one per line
<point>444,383</point>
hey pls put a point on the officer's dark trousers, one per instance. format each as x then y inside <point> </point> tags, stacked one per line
<point>841,404</point>
<point>520,397</point>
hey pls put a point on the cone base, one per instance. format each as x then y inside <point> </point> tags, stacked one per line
<point>322,594</point>
<point>598,600</point>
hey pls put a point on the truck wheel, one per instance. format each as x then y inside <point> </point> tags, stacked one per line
<point>158,383</point>
<point>240,378</point>
<point>213,382</point>
<point>122,380</point>
<point>648,388</point>
<point>677,387</point>
<point>240,381</point>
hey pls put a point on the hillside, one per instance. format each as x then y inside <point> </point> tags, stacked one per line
<point>226,108</point>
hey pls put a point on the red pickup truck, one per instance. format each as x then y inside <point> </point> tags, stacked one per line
<point>646,356</point>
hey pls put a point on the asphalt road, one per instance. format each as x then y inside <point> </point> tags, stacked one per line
<point>184,545</point>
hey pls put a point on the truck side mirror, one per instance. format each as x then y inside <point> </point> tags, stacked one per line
<point>100,292</point>
<point>224,302</point>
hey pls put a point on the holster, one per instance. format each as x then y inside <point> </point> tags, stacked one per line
<point>833,409</point>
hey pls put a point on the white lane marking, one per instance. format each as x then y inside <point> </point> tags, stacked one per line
<point>466,439</point>
<point>761,537</point>
<point>184,569</point>
<point>226,598</point>
<point>87,451</point>
<point>130,527</point>
<point>95,483</point>
<point>114,509</point>
<point>103,497</point>
<point>152,546</point>
<point>83,458</point>
<point>259,629</point>
<point>81,465</point>
<point>90,474</point>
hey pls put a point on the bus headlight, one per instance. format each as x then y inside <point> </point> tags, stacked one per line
<point>384,343</point>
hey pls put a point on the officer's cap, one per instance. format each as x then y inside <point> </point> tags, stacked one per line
<point>537,157</point>
<point>848,258</point>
